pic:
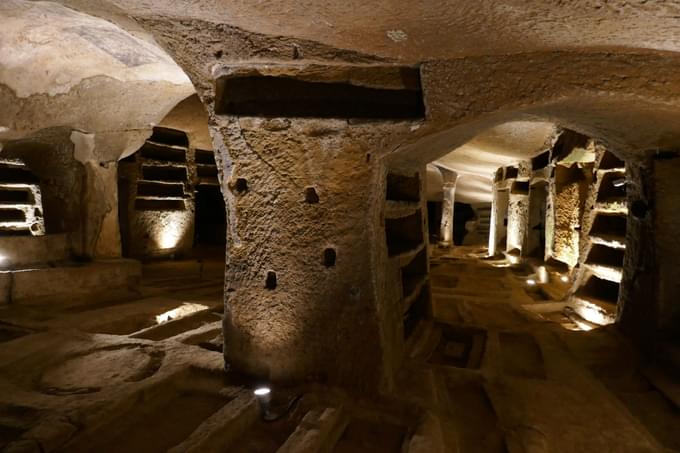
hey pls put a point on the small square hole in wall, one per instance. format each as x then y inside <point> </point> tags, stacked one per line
<point>311,196</point>
<point>241,185</point>
<point>270,281</point>
<point>329,257</point>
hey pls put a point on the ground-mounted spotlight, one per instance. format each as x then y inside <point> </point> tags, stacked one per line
<point>564,279</point>
<point>531,282</point>
<point>263,396</point>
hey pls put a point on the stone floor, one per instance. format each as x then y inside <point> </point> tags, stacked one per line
<point>501,368</point>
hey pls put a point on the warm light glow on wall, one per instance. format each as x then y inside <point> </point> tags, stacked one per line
<point>172,231</point>
<point>183,310</point>
<point>492,230</point>
<point>592,313</point>
<point>607,273</point>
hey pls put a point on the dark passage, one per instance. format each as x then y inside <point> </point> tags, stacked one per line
<point>211,219</point>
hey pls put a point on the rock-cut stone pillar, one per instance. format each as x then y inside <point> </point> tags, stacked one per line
<point>449,188</point>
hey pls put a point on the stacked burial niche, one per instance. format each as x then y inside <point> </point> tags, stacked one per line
<point>603,242</point>
<point>405,235</point>
<point>21,211</point>
<point>159,188</point>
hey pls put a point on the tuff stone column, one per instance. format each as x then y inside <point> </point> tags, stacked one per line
<point>446,226</point>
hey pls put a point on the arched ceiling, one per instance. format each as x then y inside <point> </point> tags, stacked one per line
<point>429,29</point>
<point>506,144</point>
<point>63,68</point>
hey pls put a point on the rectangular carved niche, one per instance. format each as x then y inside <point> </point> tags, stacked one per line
<point>295,96</point>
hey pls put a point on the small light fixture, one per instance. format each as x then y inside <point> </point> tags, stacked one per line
<point>564,279</point>
<point>619,182</point>
<point>263,396</point>
<point>531,282</point>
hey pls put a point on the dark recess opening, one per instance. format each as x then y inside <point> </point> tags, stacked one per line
<point>15,196</point>
<point>610,161</point>
<point>164,173</point>
<point>270,96</point>
<point>499,175</point>
<point>639,209</point>
<point>520,188</point>
<point>608,191</point>
<point>605,256</point>
<point>206,171</point>
<point>404,233</point>
<point>403,188</point>
<point>204,156</point>
<point>609,224</point>
<point>462,213</point>
<point>12,215</point>
<point>17,175</point>
<point>329,257</point>
<point>211,216</point>
<point>163,153</point>
<point>600,289</point>
<point>169,137</point>
<point>511,172</point>
<point>270,281</point>
<point>241,185</point>
<point>311,196</point>
<point>541,161</point>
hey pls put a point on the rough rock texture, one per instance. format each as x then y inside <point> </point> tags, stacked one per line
<point>316,317</point>
<point>667,241</point>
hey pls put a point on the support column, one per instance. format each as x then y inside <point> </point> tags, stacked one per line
<point>499,212</point>
<point>449,188</point>
<point>100,228</point>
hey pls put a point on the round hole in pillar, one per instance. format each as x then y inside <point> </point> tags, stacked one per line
<point>329,257</point>
<point>270,281</point>
<point>241,185</point>
<point>311,196</point>
<point>639,209</point>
